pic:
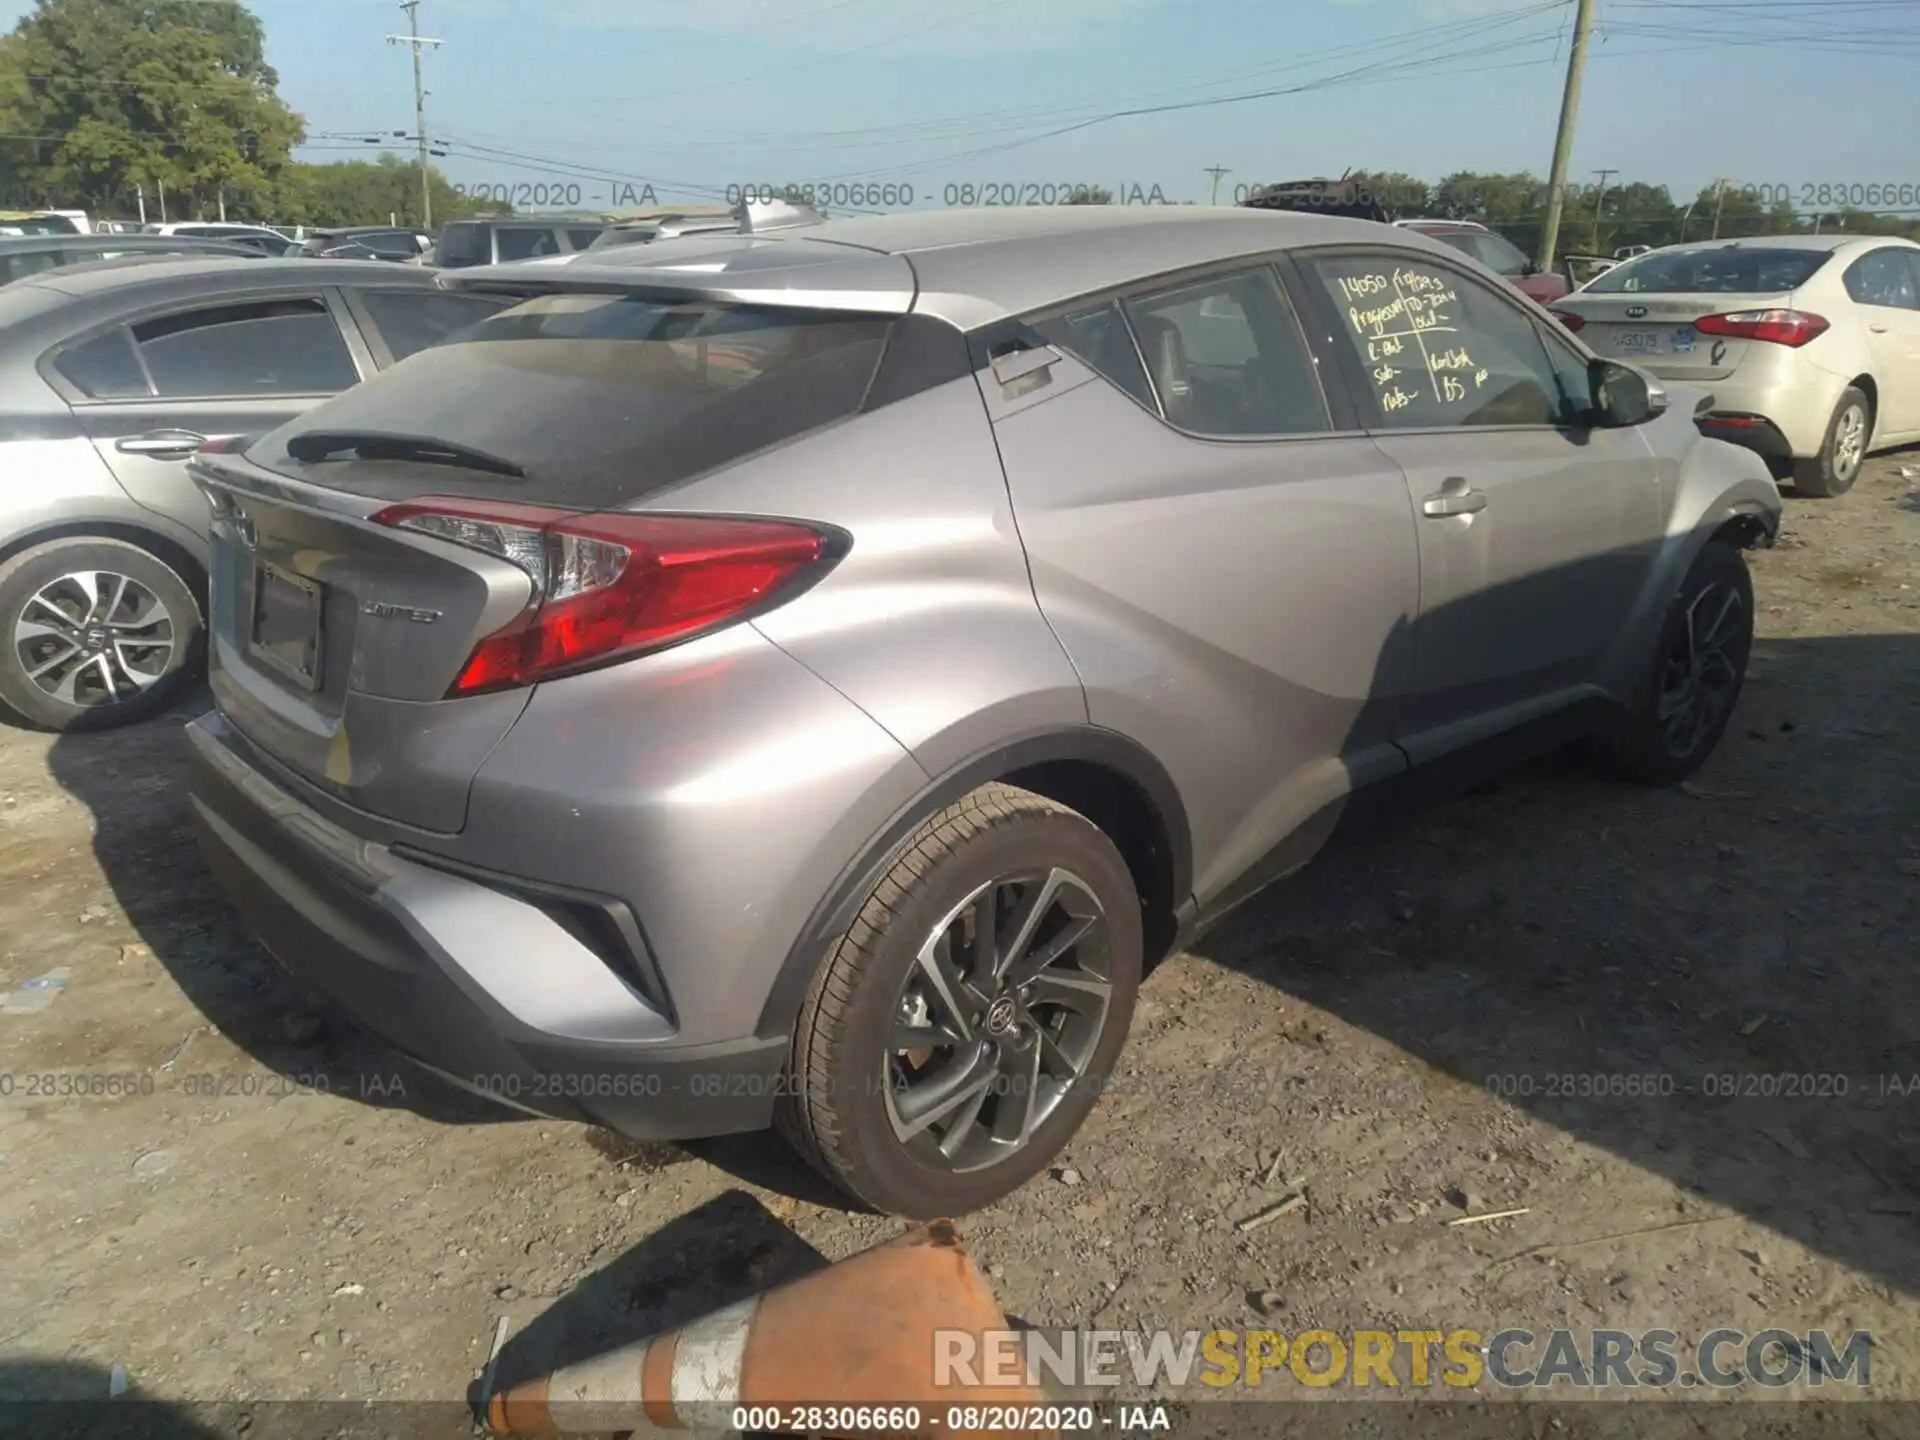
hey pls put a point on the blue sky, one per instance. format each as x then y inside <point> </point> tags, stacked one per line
<point>693,95</point>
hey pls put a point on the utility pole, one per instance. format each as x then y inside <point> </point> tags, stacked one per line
<point>1599,197</point>
<point>1563,140</point>
<point>1719,199</point>
<point>1216,171</point>
<point>414,40</point>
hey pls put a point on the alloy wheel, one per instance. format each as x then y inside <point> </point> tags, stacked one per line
<point>999,1017</point>
<point>1700,674</point>
<point>94,638</point>
<point>1849,442</point>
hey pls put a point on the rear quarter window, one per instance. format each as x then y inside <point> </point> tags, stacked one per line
<point>104,368</point>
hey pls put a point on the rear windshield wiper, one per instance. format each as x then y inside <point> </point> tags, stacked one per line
<point>313,446</point>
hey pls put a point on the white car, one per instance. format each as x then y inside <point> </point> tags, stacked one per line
<point>1809,343</point>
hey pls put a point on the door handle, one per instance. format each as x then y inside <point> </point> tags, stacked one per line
<point>1878,329</point>
<point>1454,501</point>
<point>161,444</point>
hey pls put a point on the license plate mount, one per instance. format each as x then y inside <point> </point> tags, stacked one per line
<point>285,631</point>
<point>1639,342</point>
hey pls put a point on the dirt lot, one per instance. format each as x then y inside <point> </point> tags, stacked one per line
<point>1388,1027</point>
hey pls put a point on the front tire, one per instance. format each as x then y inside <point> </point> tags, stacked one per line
<point>94,633</point>
<point>1694,681</point>
<point>967,1022</point>
<point>1843,451</point>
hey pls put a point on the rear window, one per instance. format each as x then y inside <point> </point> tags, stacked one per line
<point>398,243</point>
<point>582,238</point>
<point>1729,270</point>
<point>602,398</point>
<point>1489,249</point>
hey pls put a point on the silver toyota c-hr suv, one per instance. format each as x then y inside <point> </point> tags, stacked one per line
<point>805,679</point>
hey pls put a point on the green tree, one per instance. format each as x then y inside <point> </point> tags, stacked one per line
<point>114,94</point>
<point>1091,195</point>
<point>361,192</point>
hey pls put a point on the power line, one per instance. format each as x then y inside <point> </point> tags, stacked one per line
<point>1416,40</point>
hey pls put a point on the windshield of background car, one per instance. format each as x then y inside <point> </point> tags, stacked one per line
<point>1729,270</point>
<point>601,398</point>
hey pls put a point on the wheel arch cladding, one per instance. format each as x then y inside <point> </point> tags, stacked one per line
<point>1105,776</point>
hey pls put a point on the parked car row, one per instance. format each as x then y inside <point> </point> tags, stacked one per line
<point>592,726</point>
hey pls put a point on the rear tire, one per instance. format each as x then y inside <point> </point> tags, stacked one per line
<point>94,633</point>
<point>1693,681</point>
<point>922,1086</point>
<point>1843,451</point>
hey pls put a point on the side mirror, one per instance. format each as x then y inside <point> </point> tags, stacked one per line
<point>1622,395</point>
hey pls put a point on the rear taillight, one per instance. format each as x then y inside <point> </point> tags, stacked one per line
<point>1572,322</point>
<point>1776,327</point>
<point>612,586</point>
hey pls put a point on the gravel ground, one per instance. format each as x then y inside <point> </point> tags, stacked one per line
<point>282,1210</point>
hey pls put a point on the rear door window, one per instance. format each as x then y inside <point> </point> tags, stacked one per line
<point>1227,357</point>
<point>581,239</point>
<point>412,320</point>
<point>268,347</point>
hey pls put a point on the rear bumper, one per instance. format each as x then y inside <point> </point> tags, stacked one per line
<point>464,973</point>
<point>1750,432</point>
<point>1794,396</point>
